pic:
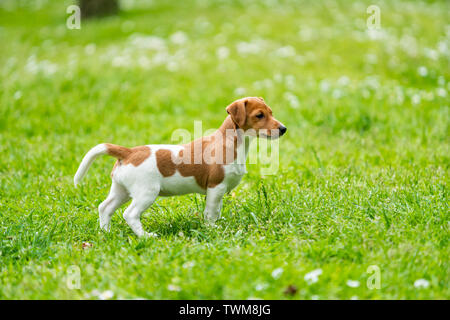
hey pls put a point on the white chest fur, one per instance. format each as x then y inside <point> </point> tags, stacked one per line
<point>233,175</point>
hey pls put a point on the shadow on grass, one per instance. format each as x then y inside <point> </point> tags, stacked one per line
<point>182,225</point>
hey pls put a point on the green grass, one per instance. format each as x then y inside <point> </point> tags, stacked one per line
<point>363,177</point>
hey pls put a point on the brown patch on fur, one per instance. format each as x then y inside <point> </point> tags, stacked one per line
<point>124,155</point>
<point>116,151</point>
<point>208,171</point>
<point>228,146</point>
<point>138,155</point>
<point>165,163</point>
<point>193,161</point>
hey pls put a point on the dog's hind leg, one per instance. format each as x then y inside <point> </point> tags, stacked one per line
<point>138,205</point>
<point>117,196</point>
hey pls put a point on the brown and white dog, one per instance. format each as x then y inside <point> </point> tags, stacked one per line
<point>211,165</point>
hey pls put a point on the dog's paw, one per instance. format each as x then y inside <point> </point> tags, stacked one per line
<point>105,227</point>
<point>211,224</point>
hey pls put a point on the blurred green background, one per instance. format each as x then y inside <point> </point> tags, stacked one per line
<point>363,176</point>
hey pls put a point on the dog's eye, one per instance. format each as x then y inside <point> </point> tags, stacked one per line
<point>260,115</point>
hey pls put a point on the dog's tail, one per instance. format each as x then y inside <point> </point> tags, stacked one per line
<point>116,151</point>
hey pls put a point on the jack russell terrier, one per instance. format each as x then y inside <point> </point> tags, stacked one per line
<point>211,165</point>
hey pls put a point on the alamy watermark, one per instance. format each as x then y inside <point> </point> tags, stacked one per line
<point>374,281</point>
<point>73,21</point>
<point>73,277</point>
<point>373,22</point>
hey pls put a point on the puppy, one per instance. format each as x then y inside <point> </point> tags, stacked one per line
<point>211,165</point>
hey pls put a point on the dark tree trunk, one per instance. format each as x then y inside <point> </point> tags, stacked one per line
<point>98,8</point>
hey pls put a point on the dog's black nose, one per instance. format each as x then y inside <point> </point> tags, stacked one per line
<point>282,129</point>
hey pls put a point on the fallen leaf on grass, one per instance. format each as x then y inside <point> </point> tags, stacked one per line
<point>290,290</point>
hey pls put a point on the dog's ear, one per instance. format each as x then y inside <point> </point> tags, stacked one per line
<point>237,112</point>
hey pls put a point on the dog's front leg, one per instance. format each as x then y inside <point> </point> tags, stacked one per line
<point>214,203</point>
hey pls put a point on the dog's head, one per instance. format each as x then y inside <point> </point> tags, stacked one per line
<point>254,117</point>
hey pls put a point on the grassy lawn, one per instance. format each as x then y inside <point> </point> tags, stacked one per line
<point>363,170</point>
